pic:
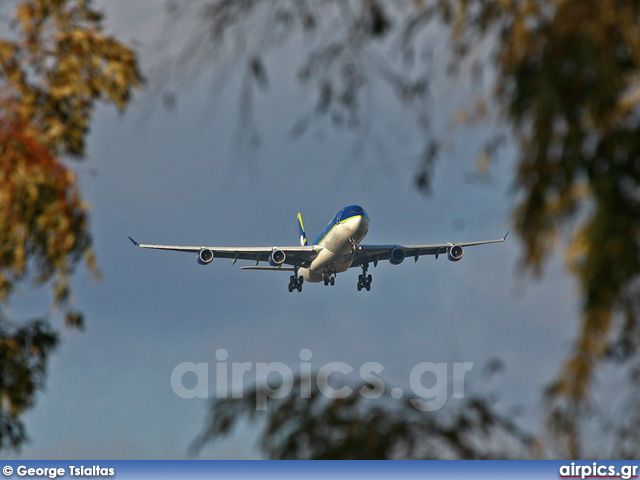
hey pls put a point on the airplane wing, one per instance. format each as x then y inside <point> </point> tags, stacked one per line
<point>375,253</point>
<point>301,256</point>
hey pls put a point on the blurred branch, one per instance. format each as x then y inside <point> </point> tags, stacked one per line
<point>312,426</point>
<point>24,351</point>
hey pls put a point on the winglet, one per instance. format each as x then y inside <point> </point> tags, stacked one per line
<point>503,238</point>
<point>133,241</point>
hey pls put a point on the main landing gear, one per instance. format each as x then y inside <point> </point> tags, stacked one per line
<point>330,280</point>
<point>295,282</point>
<point>364,280</point>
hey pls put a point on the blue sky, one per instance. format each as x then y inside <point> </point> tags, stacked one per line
<point>173,177</point>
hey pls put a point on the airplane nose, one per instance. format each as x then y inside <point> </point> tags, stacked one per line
<point>357,227</point>
<point>360,225</point>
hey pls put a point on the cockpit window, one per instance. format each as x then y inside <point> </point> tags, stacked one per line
<point>351,211</point>
<point>353,208</point>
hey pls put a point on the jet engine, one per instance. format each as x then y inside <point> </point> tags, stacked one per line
<point>205,256</point>
<point>397,256</point>
<point>455,253</point>
<point>277,258</point>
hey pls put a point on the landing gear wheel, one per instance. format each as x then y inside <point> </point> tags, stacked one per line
<point>295,283</point>
<point>326,281</point>
<point>364,280</point>
<point>332,281</point>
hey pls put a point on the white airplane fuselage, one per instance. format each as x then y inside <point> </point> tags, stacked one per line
<point>337,251</point>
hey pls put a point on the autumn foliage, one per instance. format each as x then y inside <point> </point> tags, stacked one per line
<point>54,65</point>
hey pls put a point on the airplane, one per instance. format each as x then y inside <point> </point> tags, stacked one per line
<point>336,249</point>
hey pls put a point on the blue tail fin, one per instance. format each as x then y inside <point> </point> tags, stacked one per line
<point>303,236</point>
